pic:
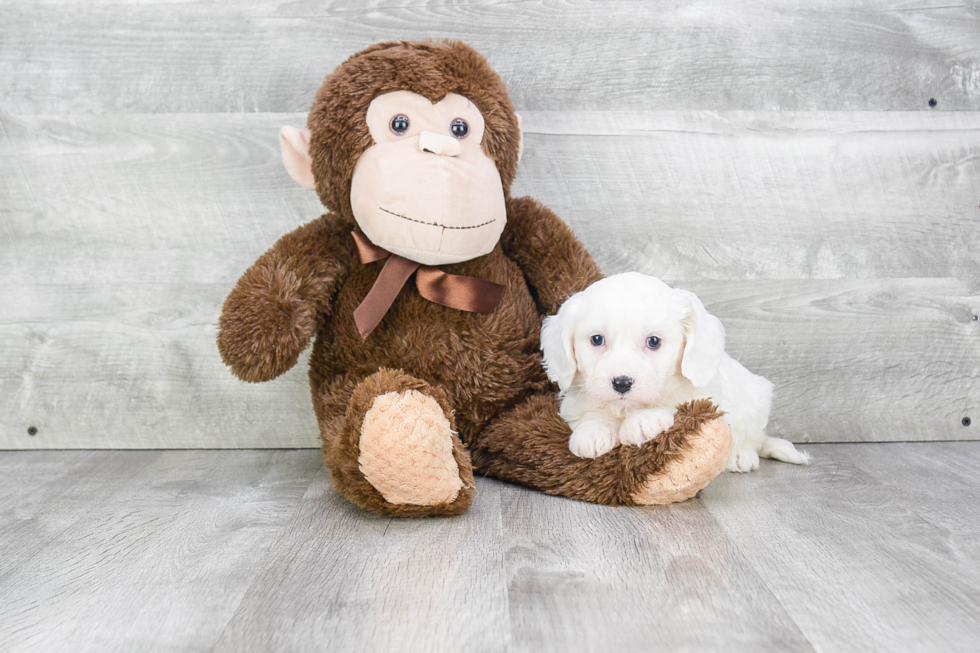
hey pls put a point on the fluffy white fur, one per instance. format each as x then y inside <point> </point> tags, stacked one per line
<point>685,360</point>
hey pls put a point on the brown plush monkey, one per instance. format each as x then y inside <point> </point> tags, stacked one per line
<point>425,285</point>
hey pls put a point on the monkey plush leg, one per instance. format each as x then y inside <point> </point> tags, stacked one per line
<point>395,451</point>
<point>529,446</point>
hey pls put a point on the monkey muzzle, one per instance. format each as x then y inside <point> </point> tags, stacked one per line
<point>429,199</point>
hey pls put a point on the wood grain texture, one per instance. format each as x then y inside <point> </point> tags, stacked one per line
<point>146,552</point>
<point>835,248</point>
<point>352,582</point>
<point>72,482</point>
<point>843,532</point>
<point>871,548</point>
<point>764,195</point>
<point>197,56</point>
<point>584,577</point>
<point>840,355</point>
<point>926,478</point>
<point>110,232</point>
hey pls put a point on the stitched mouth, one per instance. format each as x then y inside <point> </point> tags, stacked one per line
<point>434,224</point>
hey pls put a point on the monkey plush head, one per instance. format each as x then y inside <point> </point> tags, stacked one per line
<point>415,142</point>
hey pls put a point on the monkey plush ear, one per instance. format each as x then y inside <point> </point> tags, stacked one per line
<point>520,142</point>
<point>295,145</point>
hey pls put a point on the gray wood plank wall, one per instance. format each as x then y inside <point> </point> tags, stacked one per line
<point>780,159</point>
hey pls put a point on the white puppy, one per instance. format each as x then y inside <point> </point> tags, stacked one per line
<point>629,349</point>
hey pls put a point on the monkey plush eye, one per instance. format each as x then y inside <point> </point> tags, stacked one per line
<point>399,124</point>
<point>597,340</point>
<point>459,128</point>
<point>653,342</point>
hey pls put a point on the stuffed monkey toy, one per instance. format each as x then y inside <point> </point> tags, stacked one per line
<point>424,288</point>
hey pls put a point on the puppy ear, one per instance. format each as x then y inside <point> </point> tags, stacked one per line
<point>557,335</point>
<point>705,343</point>
<point>295,145</point>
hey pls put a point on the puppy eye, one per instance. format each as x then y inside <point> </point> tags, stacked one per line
<point>459,128</point>
<point>597,340</point>
<point>399,124</point>
<point>653,342</point>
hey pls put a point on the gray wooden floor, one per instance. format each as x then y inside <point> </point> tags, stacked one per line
<point>873,547</point>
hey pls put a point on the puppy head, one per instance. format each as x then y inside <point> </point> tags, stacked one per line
<point>622,339</point>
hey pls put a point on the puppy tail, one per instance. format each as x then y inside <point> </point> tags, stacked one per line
<point>783,450</point>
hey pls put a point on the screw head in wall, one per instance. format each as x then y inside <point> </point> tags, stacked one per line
<point>31,430</point>
<point>966,421</point>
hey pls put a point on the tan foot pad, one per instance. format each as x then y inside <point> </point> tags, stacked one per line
<point>407,450</point>
<point>685,479</point>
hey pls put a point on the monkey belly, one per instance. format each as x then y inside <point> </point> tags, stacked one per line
<point>484,363</point>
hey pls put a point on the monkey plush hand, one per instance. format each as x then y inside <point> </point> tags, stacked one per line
<point>424,288</point>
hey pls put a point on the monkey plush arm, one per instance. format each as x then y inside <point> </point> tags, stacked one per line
<point>281,302</point>
<point>555,263</point>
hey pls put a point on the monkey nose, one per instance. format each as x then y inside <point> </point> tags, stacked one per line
<point>439,144</point>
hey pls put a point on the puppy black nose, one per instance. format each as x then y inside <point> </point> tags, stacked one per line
<point>622,384</point>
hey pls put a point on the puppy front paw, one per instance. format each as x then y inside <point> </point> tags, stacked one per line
<point>592,439</point>
<point>744,459</point>
<point>646,425</point>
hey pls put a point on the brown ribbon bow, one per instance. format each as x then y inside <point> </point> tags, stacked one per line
<point>452,290</point>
